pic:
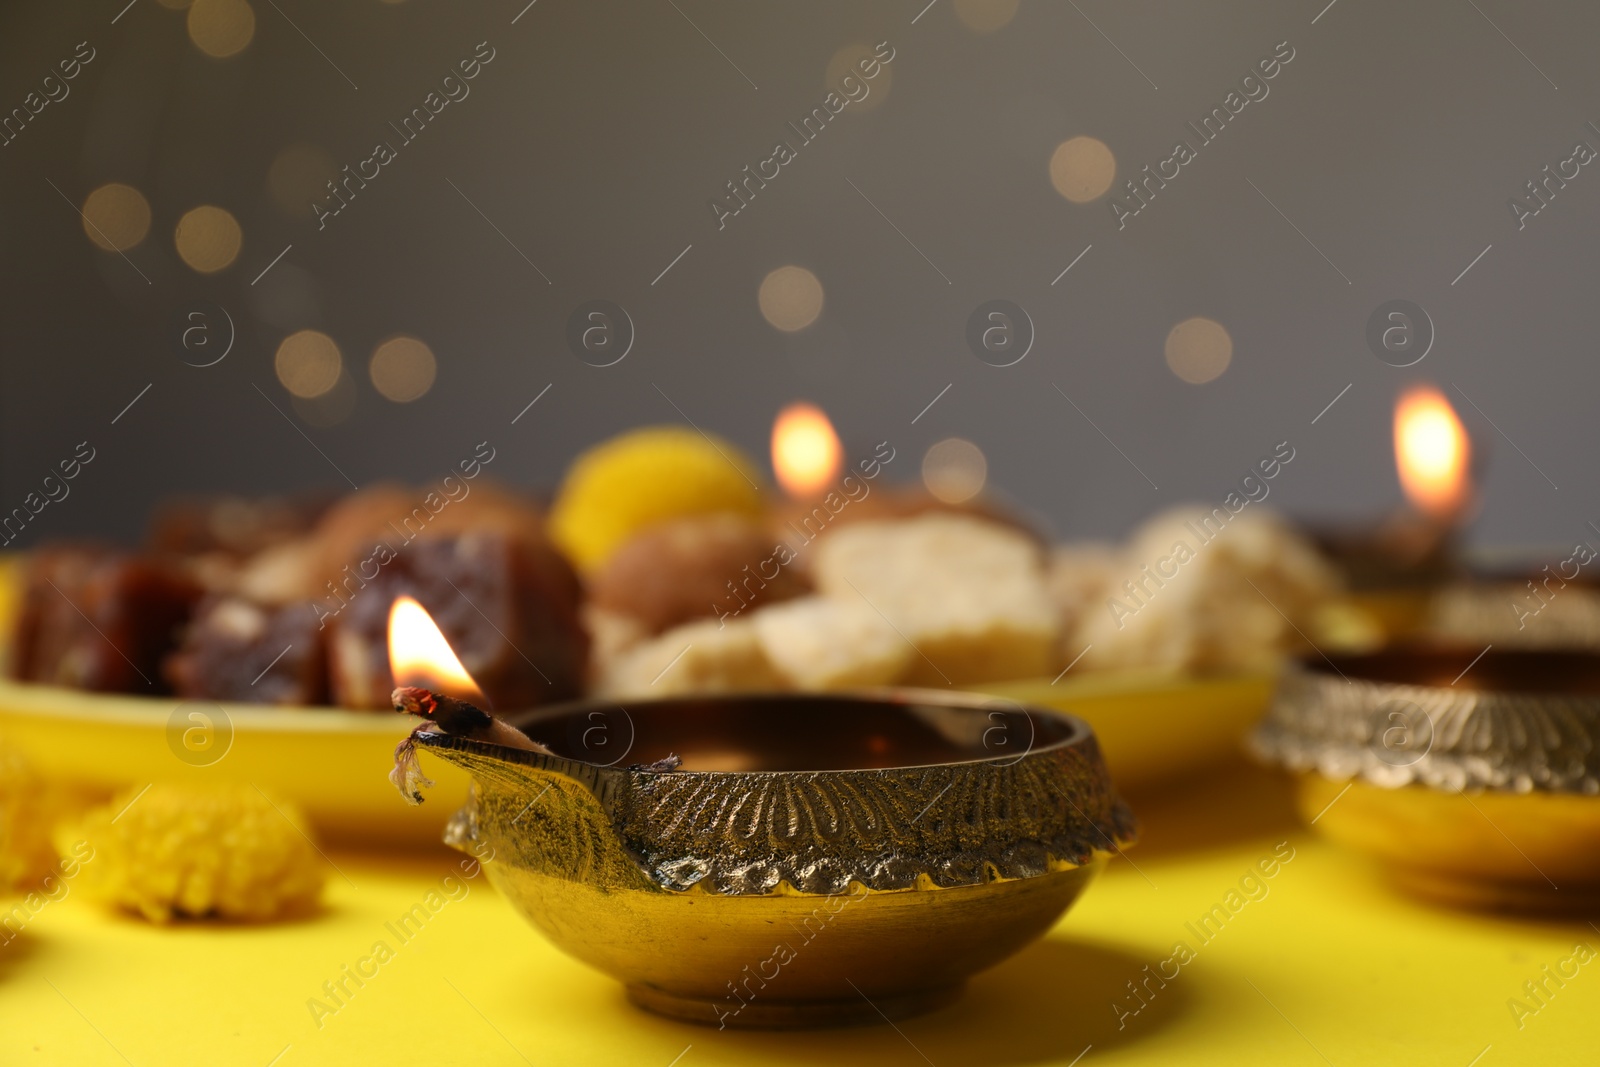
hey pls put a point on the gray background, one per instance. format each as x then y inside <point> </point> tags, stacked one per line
<point>599,132</point>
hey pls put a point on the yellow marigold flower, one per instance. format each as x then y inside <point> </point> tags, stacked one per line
<point>183,850</point>
<point>647,476</point>
<point>26,813</point>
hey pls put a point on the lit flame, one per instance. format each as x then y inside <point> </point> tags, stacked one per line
<point>806,453</point>
<point>419,655</point>
<point>1432,451</point>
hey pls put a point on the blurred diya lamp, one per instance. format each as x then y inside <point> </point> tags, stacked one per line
<point>1392,568</point>
<point>818,487</point>
<point>822,488</point>
<point>1472,776</point>
<point>1534,605</point>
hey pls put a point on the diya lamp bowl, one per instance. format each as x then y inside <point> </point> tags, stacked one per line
<point>1471,775</point>
<point>1394,568</point>
<point>815,860</point>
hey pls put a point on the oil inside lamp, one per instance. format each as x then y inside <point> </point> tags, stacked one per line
<point>806,454</point>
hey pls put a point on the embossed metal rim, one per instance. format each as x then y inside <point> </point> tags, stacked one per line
<point>1501,741</point>
<point>916,826</point>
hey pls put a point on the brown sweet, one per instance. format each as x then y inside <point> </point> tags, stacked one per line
<point>508,606</point>
<point>101,619</point>
<point>396,515</point>
<point>255,653</point>
<point>694,568</point>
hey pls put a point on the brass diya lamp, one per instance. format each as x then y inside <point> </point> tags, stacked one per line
<point>1471,775</point>
<point>1394,568</point>
<point>788,860</point>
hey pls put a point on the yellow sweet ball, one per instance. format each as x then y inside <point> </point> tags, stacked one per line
<point>643,477</point>
<point>213,851</point>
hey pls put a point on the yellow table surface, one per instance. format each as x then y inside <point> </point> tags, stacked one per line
<point>1329,966</point>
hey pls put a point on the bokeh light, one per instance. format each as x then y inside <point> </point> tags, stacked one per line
<point>870,92</point>
<point>1082,169</point>
<point>116,217</point>
<point>208,238</point>
<point>308,363</point>
<point>986,16</point>
<point>402,369</point>
<point>1199,350</point>
<point>221,28</point>
<point>790,298</point>
<point>954,470</point>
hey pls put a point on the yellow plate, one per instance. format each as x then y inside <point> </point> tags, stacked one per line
<point>1155,726</point>
<point>333,764</point>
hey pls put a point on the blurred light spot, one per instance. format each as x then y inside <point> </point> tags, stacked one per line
<point>853,61</point>
<point>954,470</point>
<point>1432,452</point>
<point>1082,169</point>
<point>790,298</point>
<point>298,177</point>
<point>402,369</point>
<point>806,452</point>
<point>331,408</point>
<point>221,28</point>
<point>986,16</point>
<point>1199,350</point>
<point>208,238</point>
<point>308,363</point>
<point>116,217</point>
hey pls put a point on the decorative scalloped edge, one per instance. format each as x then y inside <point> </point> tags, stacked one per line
<point>1481,740</point>
<point>940,826</point>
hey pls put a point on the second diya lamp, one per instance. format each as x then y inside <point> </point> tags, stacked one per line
<point>822,491</point>
<point>1472,776</point>
<point>1394,568</point>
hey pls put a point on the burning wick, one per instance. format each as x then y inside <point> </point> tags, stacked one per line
<point>446,715</point>
<point>417,648</point>
<point>460,719</point>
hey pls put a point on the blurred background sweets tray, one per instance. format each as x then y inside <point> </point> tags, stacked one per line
<point>1152,726</point>
<point>333,764</point>
<point>1155,726</point>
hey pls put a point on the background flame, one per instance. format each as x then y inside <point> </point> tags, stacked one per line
<point>419,654</point>
<point>806,453</point>
<point>1431,452</point>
